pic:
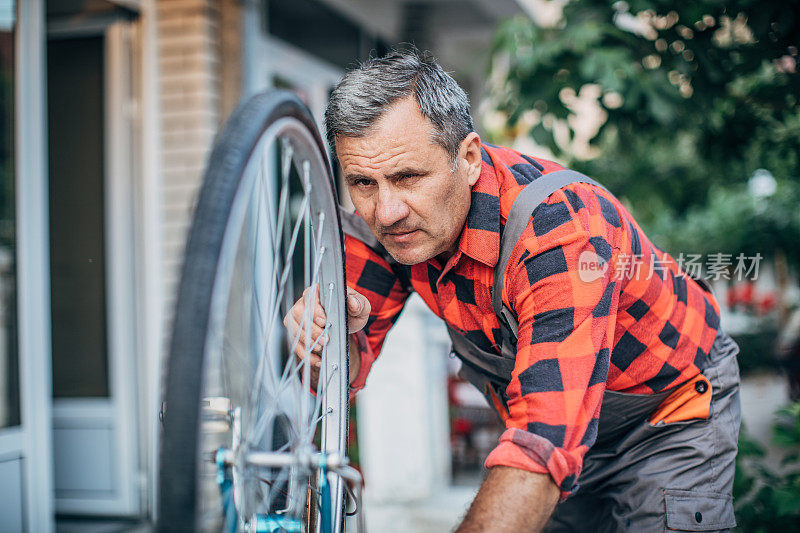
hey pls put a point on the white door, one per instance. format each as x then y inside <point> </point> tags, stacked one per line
<point>92,273</point>
<point>12,453</point>
<point>25,477</point>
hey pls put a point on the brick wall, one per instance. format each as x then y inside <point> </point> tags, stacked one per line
<point>190,99</point>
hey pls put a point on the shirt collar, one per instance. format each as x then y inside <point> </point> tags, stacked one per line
<point>480,239</point>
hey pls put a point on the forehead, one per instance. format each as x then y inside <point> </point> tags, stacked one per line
<point>402,135</point>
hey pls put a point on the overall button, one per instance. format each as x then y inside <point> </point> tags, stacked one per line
<point>701,387</point>
<point>698,516</point>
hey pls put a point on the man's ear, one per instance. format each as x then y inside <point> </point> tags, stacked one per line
<point>470,155</point>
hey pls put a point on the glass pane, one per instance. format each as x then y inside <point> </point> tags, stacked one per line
<point>77,253</point>
<point>9,360</point>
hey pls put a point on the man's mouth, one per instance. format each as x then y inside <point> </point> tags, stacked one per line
<point>401,236</point>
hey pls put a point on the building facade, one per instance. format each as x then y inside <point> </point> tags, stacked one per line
<point>109,110</point>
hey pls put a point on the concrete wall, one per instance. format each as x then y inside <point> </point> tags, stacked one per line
<point>404,434</point>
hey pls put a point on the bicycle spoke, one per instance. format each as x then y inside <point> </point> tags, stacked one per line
<point>323,364</point>
<point>256,393</point>
<point>277,235</point>
<point>306,320</point>
<point>284,276</point>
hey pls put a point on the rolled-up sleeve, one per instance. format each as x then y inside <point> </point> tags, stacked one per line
<point>370,275</point>
<point>566,308</point>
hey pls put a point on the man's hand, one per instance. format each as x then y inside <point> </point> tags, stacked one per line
<point>511,500</point>
<point>358,309</point>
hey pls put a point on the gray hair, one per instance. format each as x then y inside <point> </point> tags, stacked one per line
<point>365,92</point>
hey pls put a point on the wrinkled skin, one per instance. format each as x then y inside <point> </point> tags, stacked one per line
<point>406,188</point>
<point>413,197</point>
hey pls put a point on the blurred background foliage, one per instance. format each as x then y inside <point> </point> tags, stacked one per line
<point>690,100</point>
<point>767,497</point>
<point>688,112</point>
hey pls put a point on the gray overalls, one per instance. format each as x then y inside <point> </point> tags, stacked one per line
<point>637,476</point>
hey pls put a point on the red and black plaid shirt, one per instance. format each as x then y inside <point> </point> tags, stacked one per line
<point>641,331</point>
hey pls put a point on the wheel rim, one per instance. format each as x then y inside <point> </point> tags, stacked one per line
<point>253,397</point>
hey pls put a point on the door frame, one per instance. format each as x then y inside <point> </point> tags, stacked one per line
<point>33,438</point>
<point>120,409</point>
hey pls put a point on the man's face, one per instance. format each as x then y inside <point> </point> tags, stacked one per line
<point>404,185</point>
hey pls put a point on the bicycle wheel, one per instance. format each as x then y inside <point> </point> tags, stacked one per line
<point>266,226</point>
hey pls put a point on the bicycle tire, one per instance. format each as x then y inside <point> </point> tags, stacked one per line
<point>208,246</point>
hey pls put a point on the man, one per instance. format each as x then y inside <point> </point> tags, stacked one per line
<point>645,348</point>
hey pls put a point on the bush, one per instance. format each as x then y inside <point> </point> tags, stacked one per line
<point>768,501</point>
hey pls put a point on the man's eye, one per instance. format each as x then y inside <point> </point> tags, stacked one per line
<point>362,182</point>
<point>408,176</point>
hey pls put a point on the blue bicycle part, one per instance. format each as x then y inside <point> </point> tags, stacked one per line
<point>279,524</point>
<point>225,482</point>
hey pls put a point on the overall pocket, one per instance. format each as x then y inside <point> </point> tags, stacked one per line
<point>689,510</point>
<point>621,412</point>
<point>690,401</point>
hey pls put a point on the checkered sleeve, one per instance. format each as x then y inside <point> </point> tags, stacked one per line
<point>370,275</point>
<point>566,321</point>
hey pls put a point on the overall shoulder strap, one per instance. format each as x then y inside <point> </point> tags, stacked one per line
<point>355,226</point>
<point>521,210</point>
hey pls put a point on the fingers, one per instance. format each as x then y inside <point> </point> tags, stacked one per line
<point>319,312</point>
<point>297,331</point>
<point>315,364</point>
<point>358,309</point>
<point>315,332</point>
<point>314,357</point>
<point>296,313</point>
<point>355,305</point>
<point>295,322</point>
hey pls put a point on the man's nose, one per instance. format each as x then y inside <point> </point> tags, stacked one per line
<point>390,208</point>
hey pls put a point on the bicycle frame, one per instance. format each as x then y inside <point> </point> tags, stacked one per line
<point>320,462</point>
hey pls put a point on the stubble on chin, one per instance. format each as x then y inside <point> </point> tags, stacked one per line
<point>402,258</point>
<point>406,257</point>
